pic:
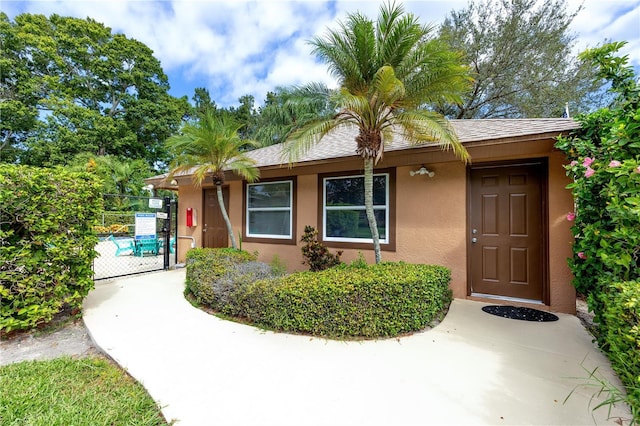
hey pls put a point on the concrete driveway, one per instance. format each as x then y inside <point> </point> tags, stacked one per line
<point>473,368</point>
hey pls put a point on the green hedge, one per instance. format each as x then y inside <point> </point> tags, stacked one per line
<point>381,300</point>
<point>206,265</point>
<point>347,301</point>
<point>47,242</point>
<point>620,328</point>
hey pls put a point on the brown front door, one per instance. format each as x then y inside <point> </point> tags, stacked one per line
<point>214,230</point>
<point>507,234</point>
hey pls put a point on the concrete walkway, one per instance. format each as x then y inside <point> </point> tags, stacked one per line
<point>473,368</point>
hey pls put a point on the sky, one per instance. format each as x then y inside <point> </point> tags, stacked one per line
<point>239,47</point>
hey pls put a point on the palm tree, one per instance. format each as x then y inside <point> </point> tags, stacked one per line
<point>387,71</point>
<point>289,108</point>
<point>210,146</point>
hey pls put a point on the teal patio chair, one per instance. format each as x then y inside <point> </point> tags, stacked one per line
<point>122,246</point>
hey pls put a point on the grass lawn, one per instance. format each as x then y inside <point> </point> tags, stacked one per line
<point>66,391</point>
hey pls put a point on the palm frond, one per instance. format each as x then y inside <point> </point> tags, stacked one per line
<point>209,145</point>
<point>302,140</point>
<point>422,126</point>
<point>389,88</point>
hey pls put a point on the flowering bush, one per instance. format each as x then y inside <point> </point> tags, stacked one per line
<point>605,164</point>
<point>605,167</point>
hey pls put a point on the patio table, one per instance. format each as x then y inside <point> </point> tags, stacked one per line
<point>151,245</point>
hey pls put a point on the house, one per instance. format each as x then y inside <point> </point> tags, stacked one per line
<point>499,223</point>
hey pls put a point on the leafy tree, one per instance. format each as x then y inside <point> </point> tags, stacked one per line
<point>117,176</point>
<point>18,94</point>
<point>80,88</point>
<point>387,70</point>
<point>210,146</point>
<point>244,115</point>
<point>520,52</point>
<point>289,108</point>
<point>202,100</point>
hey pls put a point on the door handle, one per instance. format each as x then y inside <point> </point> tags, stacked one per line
<point>474,240</point>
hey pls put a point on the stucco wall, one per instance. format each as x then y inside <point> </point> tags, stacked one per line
<point>431,220</point>
<point>189,196</point>
<point>431,223</point>
<point>562,292</point>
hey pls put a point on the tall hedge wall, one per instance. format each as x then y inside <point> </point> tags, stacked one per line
<point>46,242</point>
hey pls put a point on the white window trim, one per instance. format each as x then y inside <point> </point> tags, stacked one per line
<point>273,209</point>
<point>384,239</point>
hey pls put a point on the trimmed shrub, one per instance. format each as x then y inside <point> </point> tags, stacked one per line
<point>206,265</point>
<point>620,328</point>
<point>227,288</point>
<point>47,242</point>
<point>380,300</point>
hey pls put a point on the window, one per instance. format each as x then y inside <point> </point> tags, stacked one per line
<point>344,216</point>
<point>269,212</point>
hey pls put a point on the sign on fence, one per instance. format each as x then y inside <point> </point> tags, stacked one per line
<point>145,226</point>
<point>155,203</point>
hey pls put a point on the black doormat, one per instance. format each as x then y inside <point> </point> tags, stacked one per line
<point>520,313</point>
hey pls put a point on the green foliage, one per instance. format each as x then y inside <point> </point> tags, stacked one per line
<point>382,300</point>
<point>289,108</point>
<point>206,265</point>
<point>47,241</point>
<point>278,266</point>
<point>612,394</point>
<point>356,300</point>
<point>118,175</point>
<point>622,336</point>
<point>228,289</point>
<point>521,56</point>
<point>103,93</point>
<point>359,262</point>
<point>65,391</point>
<point>316,254</point>
<point>605,169</point>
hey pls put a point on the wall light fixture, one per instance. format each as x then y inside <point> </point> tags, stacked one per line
<point>422,171</point>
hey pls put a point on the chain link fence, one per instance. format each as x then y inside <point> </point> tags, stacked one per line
<point>137,235</point>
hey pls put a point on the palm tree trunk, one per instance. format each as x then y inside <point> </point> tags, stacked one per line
<point>225,216</point>
<point>368,205</point>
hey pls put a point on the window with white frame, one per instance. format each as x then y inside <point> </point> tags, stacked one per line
<point>344,215</point>
<point>269,210</point>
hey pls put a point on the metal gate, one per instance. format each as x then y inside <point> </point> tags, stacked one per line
<point>136,235</point>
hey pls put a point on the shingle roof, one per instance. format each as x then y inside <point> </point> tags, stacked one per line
<point>341,142</point>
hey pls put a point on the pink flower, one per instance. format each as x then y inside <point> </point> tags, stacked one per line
<point>581,255</point>
<point>590,172</point>
<point>573,163</point>
<point>587,162</point>
<point>571,216</point>
<point>636,170</point>
<point>615,163</point>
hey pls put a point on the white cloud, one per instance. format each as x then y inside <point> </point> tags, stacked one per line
<point>612,20</point>
<point>237,47</point>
